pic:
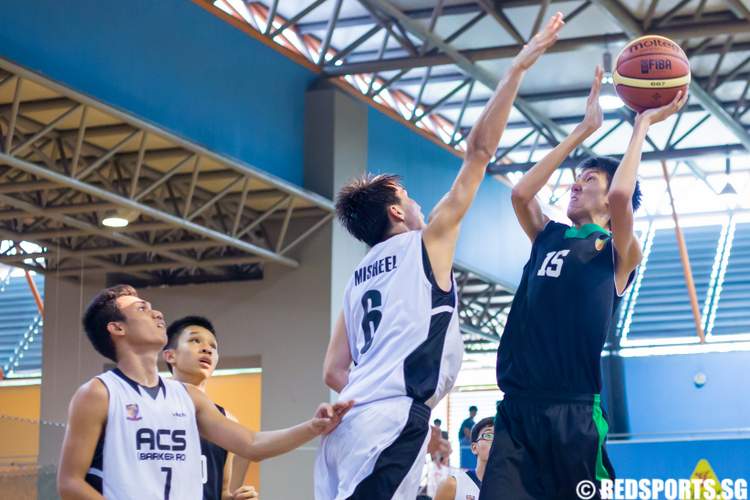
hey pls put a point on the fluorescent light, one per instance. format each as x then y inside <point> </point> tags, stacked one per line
<point>115,221</point>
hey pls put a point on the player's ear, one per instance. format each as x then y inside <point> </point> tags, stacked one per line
<point>169,356</point>
<point>116,328</point>
<point>396,213</point>
<point>474,449</point>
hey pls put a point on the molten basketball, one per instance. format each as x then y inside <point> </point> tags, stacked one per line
<point>650,71</point>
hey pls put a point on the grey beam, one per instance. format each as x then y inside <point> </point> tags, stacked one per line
<point>669,154</point>
<point>477,72</point>
<point>156,214</point>
<point>508,51</point>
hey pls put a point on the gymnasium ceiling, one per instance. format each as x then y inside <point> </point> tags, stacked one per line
<point>434,64</point>
<point>67,162</point>
<point>447,55</point>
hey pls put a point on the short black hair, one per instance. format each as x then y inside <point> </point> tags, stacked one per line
<point>362,206</point>
<point>101,311</point>
<point>609,165</point>
<point>437,421</point>
<point>476,431</point>
<point>178,326</point>
<point>472,408</point>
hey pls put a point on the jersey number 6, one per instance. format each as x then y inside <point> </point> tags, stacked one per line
<point>371,302</point>
<point>552,265</point>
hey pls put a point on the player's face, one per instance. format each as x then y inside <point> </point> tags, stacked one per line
<point>197,352</point>
<point>588,196</point>
<point>481,447</point>
<point>143,325</point>
<point>412,212</point>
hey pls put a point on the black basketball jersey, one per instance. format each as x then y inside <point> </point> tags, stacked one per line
<point>561,313</point>
<point>214,458</point>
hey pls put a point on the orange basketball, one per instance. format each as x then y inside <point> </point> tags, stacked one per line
<point>649,72</point>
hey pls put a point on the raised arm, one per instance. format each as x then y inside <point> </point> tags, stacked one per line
<point>338,357</point>
<point>87,415</point>
<point>623,185</point>
<point>527,207</point>
<point>442,231</point>
<point>257,446</point>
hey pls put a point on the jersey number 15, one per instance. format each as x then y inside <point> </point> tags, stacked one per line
<point>552,265</point>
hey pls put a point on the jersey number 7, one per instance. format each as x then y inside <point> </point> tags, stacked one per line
<point>552,265</point>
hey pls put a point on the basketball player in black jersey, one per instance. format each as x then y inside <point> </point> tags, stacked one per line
<point>124,328</point>
<point>192,353</point>
<point>550,428</point>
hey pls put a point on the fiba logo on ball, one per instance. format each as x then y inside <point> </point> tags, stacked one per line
<point>647,63</point>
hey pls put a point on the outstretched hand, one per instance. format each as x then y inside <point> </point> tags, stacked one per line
<point>327,417</point>
<point>539,43</point>
<point>656,115</point>
<point>593,117</point>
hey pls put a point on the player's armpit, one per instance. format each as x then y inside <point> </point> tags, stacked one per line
<point>446,490</point>
<point>626,245</point>
<point>87,415</point>
<point>627,262</point>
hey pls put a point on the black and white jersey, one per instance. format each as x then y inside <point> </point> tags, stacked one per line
<point>402,329</point>
<point>150,447</point>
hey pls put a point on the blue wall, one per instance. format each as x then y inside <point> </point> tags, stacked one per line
<point>662,397</point>
<point>729,458</point>
<point>491,240</point>
<point>174,64</point>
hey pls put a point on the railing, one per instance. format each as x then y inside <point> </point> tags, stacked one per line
<point>32,332</point>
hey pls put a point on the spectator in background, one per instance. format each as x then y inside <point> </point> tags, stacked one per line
<point>437,423</point>
<point>468,459</point>
<point>462,485</point>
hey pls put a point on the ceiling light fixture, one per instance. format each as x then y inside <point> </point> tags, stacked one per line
<point>119,218</point>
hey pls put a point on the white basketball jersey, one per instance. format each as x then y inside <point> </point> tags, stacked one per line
<point>150,448</point>
<point>403,330</point>
<point>466,488</point>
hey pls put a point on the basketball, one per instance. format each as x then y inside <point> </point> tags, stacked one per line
<point>649,72</point>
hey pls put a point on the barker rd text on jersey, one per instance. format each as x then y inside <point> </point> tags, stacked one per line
<point>380,266</point>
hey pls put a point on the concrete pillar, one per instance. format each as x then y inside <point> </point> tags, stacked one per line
<point>336,144</point>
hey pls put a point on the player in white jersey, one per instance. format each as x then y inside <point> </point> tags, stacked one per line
<point>399,325</point>
<point>464,485</point>
<point>133,435</point>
